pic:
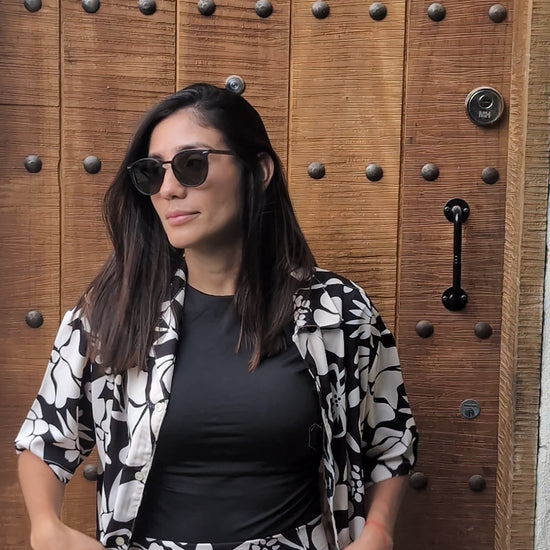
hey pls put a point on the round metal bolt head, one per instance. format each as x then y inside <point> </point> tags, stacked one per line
<point>263,8</point>
<point>34,319</point>
<point>206,7</point>
<point>235,84</point>
<point>418,481</point>
<point>316,170</point>
<point>374,172</point>
<point>33,164</point>
<point>497,13</point>
<point>378,11</point>
<point>483,330</point>
<point>147,7</point>
<point>32,5</point>
<point>477,483</point>
<point>320,9</point>
<point>90,6</point>
<point>91,164</point>
<point>490,175</point>
<point>90,472</point>
<point>437,11</point>
<point>424,329</point>
<point>430,172</point>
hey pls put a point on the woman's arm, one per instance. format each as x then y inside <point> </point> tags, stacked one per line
<point>42,491</point>
<point>57,434</point>
<point>43,494</point>
<point>382,515</point>
<point>384,507</point>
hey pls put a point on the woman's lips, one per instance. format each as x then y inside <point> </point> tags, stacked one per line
<point>179,218</point>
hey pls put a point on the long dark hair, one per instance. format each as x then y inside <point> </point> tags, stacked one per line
<point>122,302</point>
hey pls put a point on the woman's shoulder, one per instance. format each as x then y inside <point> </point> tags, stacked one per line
<point>336,293</point>
<point>326,276</point>
<point>74,321</point>
<point>337,284</point>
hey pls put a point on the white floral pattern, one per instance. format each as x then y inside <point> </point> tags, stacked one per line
<point>369,432</point>
<point>305,537</point>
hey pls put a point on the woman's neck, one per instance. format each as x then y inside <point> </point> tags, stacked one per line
<point>213,274</point>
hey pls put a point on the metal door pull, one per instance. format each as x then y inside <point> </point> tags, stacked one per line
<point>457,212</point>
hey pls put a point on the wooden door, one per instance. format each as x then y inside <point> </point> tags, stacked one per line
<point>365,105</point>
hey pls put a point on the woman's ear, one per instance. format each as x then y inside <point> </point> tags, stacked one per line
<point>266,168</point>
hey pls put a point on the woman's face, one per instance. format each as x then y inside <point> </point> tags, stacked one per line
<point>204,218</point>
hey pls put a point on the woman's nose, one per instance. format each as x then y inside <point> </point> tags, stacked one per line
<point>171,187</point>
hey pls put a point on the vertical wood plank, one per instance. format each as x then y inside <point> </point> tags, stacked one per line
<point>445,61</point>
<point>346,90</point>
<point>29,231</point>
<point>234,40</point>
<point>116,63</point>
<point>29,280</point>
<point>524,264</point>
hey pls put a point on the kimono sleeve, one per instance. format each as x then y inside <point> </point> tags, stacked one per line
<point>59,426</point>
<point>388,431</point>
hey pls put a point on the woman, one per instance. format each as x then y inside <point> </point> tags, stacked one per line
<point>216,415</point>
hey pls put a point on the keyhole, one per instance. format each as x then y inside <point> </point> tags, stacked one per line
<point>485,101</point>
<point>469,409</point>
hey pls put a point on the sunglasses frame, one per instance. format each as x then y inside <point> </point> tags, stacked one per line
<point>203,152</point>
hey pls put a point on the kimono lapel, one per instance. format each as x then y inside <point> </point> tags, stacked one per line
<point>149,391</point>
<point>317,323</point>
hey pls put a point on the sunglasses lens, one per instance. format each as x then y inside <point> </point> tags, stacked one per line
<point>190,168</point>
<point>147,175</point>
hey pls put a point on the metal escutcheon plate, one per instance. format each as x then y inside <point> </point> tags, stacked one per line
<point>448,209</point>
<point>484,106</point>
<point>454,299</point>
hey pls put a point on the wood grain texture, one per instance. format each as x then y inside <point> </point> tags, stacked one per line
<point>29,280</point>
<point>29,64</point>
<point>524,260</point>
<point>236,41</point>
<point>116,63</point>
<point>445,61</point>
<point>346,80</point>
<point>117,58</point>
<point>85,245</point>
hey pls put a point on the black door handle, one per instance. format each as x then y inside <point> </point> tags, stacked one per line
<point>457,212</point>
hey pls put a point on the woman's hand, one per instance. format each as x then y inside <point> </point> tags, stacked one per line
<point>56,535</point>
<point>373,537</point>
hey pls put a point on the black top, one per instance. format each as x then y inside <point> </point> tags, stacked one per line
<point>238,452</point>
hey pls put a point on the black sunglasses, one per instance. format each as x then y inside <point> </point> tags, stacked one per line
<point>190,167</point>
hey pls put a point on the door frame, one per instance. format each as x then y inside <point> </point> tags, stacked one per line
<point>523,282</point>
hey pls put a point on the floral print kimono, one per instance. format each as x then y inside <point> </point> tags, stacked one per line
<point>369,432</point>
